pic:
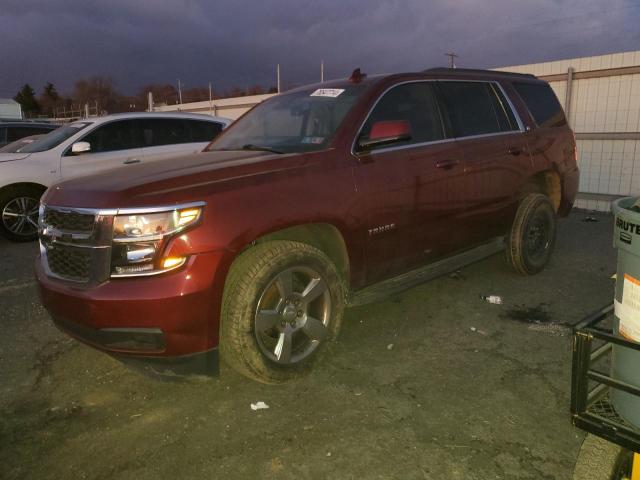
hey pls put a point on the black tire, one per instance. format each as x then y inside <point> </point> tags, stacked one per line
<point>12,201</point>
<point>257,281</point>
<point>601,460</point>
<point>533,235</point>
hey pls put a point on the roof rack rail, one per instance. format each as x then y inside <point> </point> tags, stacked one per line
<point>463,71</point>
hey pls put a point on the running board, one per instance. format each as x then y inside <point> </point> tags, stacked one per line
<point>380,291</point>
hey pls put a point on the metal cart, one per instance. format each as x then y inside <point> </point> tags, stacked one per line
<point>591,387</point>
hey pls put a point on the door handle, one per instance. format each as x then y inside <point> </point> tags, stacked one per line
<point>129,161</point>
<point>515,151</point>
<point>447,164</point>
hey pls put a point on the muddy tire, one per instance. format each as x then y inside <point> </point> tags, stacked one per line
<point>530,242</point>
<point>283,302</point>
<point>601,460</point>
<point>19,213</point>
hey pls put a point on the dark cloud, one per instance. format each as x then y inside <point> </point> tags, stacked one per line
<point>239,42</point>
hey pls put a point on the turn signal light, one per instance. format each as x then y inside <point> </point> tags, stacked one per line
<point>172,262</point>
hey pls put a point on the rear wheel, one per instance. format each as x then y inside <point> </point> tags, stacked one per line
<point>532,237</point>
<point>19,213</point>
<point>283,301</point>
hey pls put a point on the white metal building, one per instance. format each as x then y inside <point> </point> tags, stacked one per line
<point>224,107</point>
<point>10,109</point>
<point>601,96</point>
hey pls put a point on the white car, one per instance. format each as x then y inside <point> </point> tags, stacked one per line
<point>90,146</point>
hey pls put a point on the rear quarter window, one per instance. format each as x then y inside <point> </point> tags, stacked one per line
<point>202,131</point>
<point>542,104</point>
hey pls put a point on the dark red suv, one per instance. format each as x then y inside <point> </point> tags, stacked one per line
<point>323,196</point>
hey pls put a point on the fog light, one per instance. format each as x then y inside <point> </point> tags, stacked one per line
<point>172,262</point>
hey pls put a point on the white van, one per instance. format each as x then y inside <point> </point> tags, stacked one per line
<point>90,146</point>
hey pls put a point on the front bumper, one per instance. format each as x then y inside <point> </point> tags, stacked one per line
<point>169,316</point>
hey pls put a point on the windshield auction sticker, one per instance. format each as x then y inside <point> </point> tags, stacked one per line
<point>628,311</point>
<point>327,92</point>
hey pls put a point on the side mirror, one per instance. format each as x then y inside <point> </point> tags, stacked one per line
<point>80,147</point>
<point>386,132</point>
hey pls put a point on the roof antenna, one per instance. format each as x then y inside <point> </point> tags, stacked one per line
<point>357,76</point>
<point>452,59</point>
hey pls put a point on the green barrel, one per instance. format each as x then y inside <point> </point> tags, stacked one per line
<point>626,362</point>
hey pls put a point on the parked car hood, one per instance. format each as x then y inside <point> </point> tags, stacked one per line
<point>10,157</point>
<point>169,181</point>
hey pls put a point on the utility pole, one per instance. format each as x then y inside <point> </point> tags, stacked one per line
<point>452,61</point>
<point>179,91</point>
<point>278,77</point>
<point>150,101</point>
<point>321,71</point>
<point>210,99</point>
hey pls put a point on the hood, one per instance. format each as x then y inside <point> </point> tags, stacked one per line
<point>164,182</point>
<point>10,157</point>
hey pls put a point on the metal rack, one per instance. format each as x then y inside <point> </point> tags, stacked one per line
<point>591,406</point>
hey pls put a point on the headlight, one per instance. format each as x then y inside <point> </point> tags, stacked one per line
<point>139,239</point>
<point>153,226</point>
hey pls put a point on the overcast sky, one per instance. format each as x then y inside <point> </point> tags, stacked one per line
<point>239,42</point>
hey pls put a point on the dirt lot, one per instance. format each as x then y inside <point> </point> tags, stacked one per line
<point>432,384</point>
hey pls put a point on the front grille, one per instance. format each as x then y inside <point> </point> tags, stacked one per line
<point>73,263</point>
<point>69,221</point>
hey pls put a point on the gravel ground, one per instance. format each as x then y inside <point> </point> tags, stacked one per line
<point>432,384</point>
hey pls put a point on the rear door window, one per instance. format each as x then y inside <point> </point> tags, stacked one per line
<point>542,103</point>
<point>165,131</point>
<point>202,131</point>
<point>412,102</point>
<point>471,108</point>
<point>114,136</point>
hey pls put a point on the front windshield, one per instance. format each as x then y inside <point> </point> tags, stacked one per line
<point>54,138</point>
<point>294,122</point>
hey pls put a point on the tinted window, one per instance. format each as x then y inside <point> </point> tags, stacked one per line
<point>114,136</point>
<point>203,131</point>
<point>3,135</point>
<point>506,118</point>
<point>166,131</point>
<point>16,133</point>
<point>542,103</point>
<point>470,107</point>
<point>411,102</point>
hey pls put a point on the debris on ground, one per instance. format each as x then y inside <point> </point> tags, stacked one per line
<point>495,299</point>
<point>457,275</point>
<point>552,328</point>
<point>390,346</point>
<point>589,218</point>
<point>259,406</point>
<point>481,332</point>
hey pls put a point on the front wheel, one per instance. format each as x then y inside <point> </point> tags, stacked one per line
<point>533,235</point>
<point>19,213</point>
<point>283,301</point>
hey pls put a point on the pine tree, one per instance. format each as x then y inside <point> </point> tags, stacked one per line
<point>26,98</point>
<point>49,99</point>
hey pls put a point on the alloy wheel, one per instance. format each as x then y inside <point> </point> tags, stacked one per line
<point>20,216</point>
<point>292,315</point>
